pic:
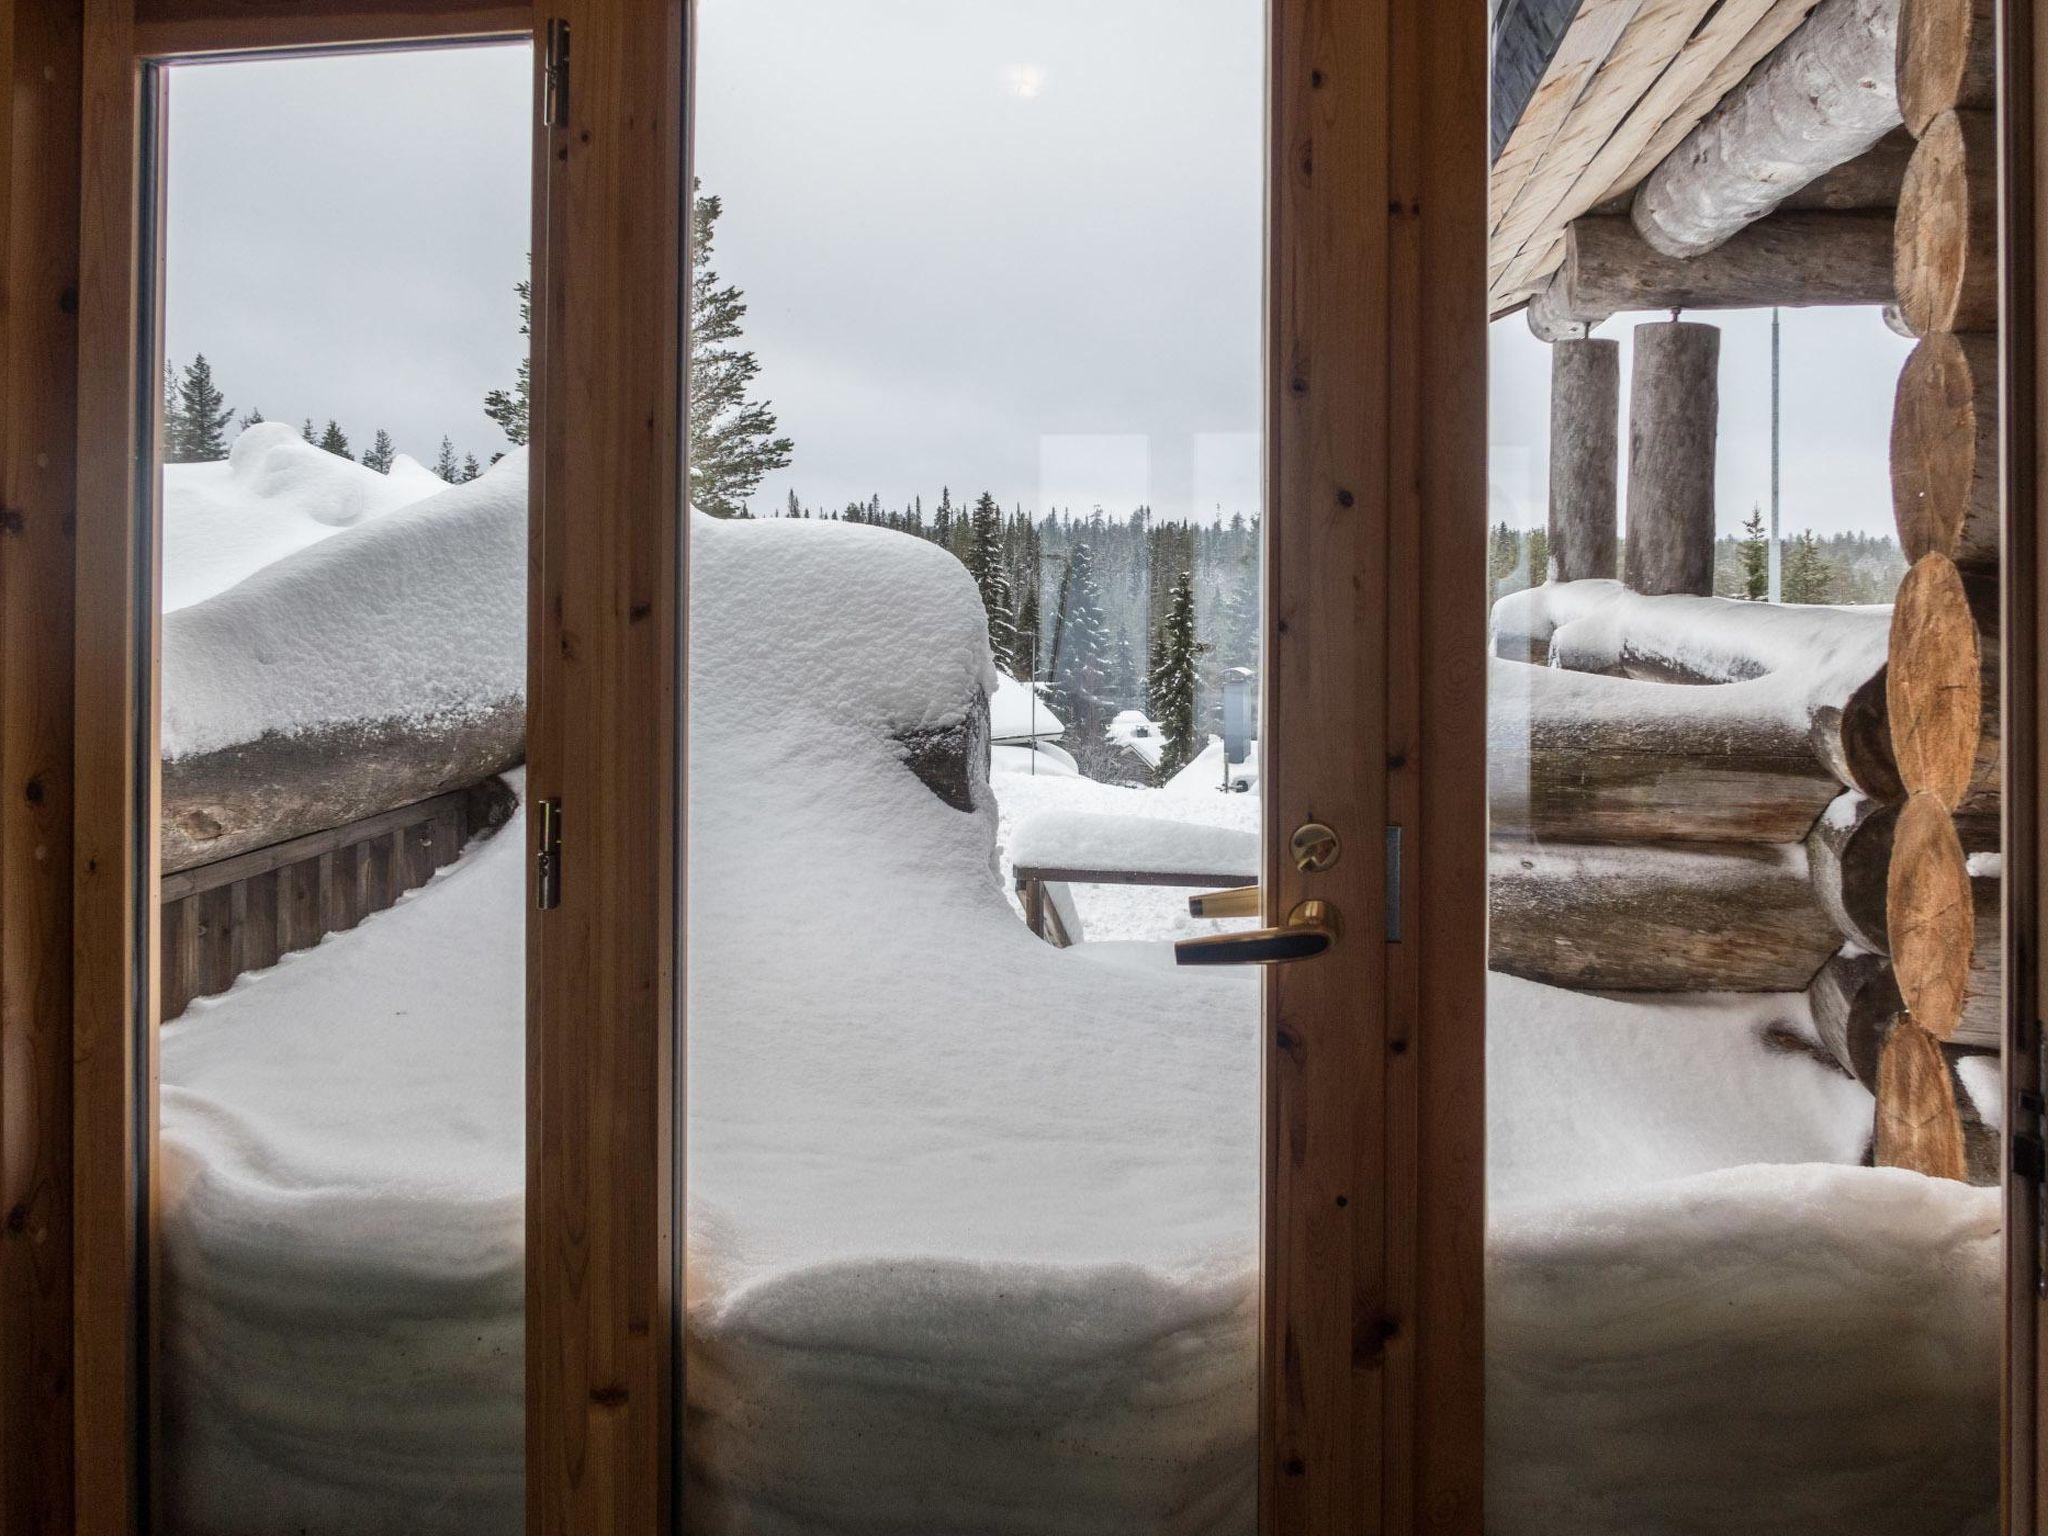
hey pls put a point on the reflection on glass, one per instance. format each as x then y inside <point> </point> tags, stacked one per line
<point>341,1159</point>
<point>1743,1041</point>
<point>973,1167</point>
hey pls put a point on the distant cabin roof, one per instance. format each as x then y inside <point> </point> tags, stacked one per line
<point>1015,718</point>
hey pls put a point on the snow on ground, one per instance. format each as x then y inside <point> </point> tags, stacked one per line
<point>413,612</point>
<point>973,1220</point>
<point>273,494</point>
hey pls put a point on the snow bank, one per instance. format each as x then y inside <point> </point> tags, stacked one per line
<point>273,494</point>
<point>1152,844</point>
<point>1015,716</point>
<point>973,1221</point>
<point>415,613</point>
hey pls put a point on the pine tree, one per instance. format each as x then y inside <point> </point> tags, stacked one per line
<point>174,426</point>
<point>445,464</point>
<point>1080,646</point>
<point>1171,684</point>
<point>1027,625</point>
<point>984,562</point>
<point>1806,576</point>
<point>335,441</point>
<point>1755,550</point>
<point>1539,556</point>
<point>470,468</point>
<point>307,432</point>
<point>202,417</point>
<point>251,418</point>
<point>509,408</point>
<point>380,453</point>
<point>732,437</point>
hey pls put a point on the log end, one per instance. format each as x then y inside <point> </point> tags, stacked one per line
<point>1935,682</point>
<point>1931,916</point>
<point>1918,1125</point>
<point>1945,253</point>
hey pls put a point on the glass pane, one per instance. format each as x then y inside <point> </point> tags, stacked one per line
<point>343,622</point>
<point>973,1166</point>
<point>1745,1013</point>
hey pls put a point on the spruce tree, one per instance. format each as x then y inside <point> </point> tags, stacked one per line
<point>1171,683</point>
<point>335,441</point>
<point>1026,629</point>
<point>732,436</point>
<point>1080,647</point>
<point>470,468</point>
<point>984,563</point>
<point>1806,576</point>
<point>509,408</point>
<point>445,464</point>
<point>174,426</point>
<point>1539,556</point>
<point>380,453</point>
<point>1755,551</point>
<point>251,418</point>
<point>307,432</point>
<point>202,416</point>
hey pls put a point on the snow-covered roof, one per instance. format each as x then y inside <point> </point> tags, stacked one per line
<point>1137,735</point>
<point>1017,713</point>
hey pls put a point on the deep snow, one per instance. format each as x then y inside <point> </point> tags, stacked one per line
<point>973,1220</point>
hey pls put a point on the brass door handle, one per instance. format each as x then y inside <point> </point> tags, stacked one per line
<point>1310,929</point>
<point>1238,901</point>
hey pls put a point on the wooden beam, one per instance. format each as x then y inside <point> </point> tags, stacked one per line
<point>606,604</point>
<point>41,59</point>
<point>1826,95</point>
<point>1790,259</point>
<point>182,28</point>
<point>114,848</point>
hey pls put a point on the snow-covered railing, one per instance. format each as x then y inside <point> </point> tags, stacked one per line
<point>1054,850</point>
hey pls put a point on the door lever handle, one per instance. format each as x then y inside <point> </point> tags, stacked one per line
<point>1238,901</point>
<point>1310,929</point>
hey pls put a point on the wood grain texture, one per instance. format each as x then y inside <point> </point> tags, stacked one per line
<point>1935,689</point>
<point>174,28</point>
<point>1585,458</point>
<point>1947,58</point>
<point>1674,420</point>
<point>1944,451</point>
<point>1849,857</point>
<point>41,60</point>
<point>1371,1400</point>
<point>1947,236</point>
<point>1917,1123</point>
<point>1855,1001</point>
<point>114,868</point>
<point>607,597</point>
<point>1931,915</point>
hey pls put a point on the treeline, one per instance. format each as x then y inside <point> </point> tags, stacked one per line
<point>1838,568</point>
<point>200,425</point>
<point>1111,613</point>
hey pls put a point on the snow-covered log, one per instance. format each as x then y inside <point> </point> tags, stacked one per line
<point>1942,689</point>
<point>1824,96</point>
<point>1674,419</point>
<point>1791,258</point>
<point>1947,58</point>
<point>1918,1126</point>
<point>1854,738</point>
<point>1610,760</point>
<point>1947,250</point>
<point>1854,1000</point>
<point>1585,416</point>
<point>1849,854</point>
<point>1944,451</point>
<point>218,804</point>
<point>1671,918</point>
<point>1930,915</point>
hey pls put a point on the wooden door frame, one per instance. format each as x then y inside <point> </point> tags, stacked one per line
<point>1370,1408</point>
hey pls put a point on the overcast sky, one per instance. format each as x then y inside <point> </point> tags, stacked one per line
<point>1011,245</point>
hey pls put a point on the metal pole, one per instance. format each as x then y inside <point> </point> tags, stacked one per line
<point>1776,592</point>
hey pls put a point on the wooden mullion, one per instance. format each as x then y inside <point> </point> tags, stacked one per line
<point>183,28</point>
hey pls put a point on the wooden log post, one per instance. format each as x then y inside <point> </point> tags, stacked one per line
<point>1824,96</point>
<point>1944,451</point>
<point>1585,415</point>
<point>1673,419</point>
<point>1947,231</point>
<point>1791,259</point>
<point>1947,59</point>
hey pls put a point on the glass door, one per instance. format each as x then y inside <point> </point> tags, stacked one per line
<point>1748,1017</point>
<point>976,575</point>
<point>341,644</point>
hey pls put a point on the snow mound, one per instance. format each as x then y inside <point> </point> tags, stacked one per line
<point>1018,713</point>
<point>273,494</point>
<point>1150,844</point>
<point>414,614</point>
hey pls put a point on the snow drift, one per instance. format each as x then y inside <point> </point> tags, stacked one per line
<point>973,1221</point>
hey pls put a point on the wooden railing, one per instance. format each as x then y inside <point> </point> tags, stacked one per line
<point>243,913</point>
<point>1048,905</point>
